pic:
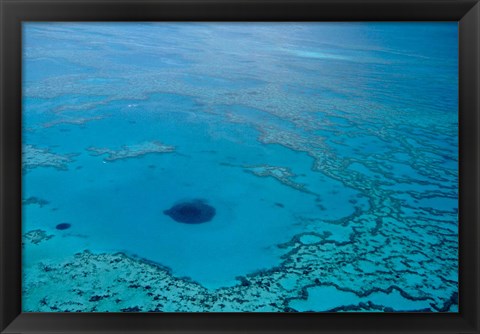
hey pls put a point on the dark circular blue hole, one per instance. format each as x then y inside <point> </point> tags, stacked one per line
<point>63,226</point>
<point>191,212</point>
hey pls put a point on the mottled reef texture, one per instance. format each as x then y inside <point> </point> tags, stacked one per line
<point>36,236</point>
<point>132,151</point>
<point>399,245</point>
<point>115,282</point>
<point>33,157</point>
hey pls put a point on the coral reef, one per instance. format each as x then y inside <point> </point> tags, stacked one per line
<point>282,174</point>
<point>35,200</point>
<point>132,151</point>
<point>36,236</point>
<point>74,121</point>
<point>33,157</point>
<point>391,143</point>
<point>129,284</point>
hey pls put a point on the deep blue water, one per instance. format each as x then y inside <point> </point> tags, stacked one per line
<point>288,130</point>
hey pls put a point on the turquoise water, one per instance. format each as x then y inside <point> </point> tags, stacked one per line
<point>328,150</point>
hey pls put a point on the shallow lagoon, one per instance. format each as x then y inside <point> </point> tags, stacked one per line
<point>329,159</point>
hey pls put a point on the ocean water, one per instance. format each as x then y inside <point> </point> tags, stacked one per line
<point>329,152</point>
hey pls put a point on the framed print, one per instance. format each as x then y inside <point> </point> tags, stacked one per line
<point>240,166</point>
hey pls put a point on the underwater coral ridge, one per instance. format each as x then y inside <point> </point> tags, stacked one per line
<point>33,157</point>
<point>36,236</point>
<point>130,284</point>
<point>133,284</point>
<point>132,151</point>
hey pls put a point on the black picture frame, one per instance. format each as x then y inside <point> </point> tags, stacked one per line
<point>14,12</point>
